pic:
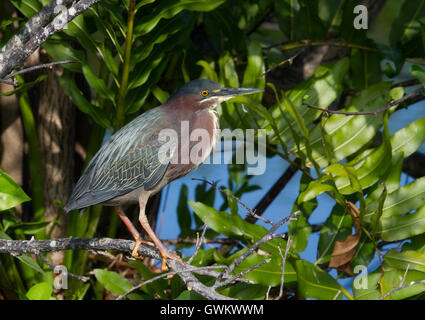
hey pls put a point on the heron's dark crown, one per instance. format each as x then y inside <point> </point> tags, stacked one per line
<point>196,87</point>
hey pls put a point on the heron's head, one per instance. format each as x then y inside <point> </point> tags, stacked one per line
<point>208,94</point>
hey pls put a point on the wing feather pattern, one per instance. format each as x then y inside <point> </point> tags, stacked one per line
<point>129,160</point>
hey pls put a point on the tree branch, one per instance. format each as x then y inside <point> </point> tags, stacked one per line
<point>413,94</point>
<point>18,247</point>
<point>19,48</point>
<point>35,24</point>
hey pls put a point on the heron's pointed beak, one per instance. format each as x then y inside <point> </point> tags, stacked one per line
<point>228,93</point>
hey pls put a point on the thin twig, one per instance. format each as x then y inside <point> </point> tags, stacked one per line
<point>188,240</point>
<point>199,241</point>
<point>10,83</point>
<point>164,275</point>
<point>268,293</point>
<point>337,295</point>
<point>282,280</point>
<point>267,237</point>
<point>239,275</point>
<point>308,43</point>
<point>413,283</point>
<point>374,112</point>
<point>39,66</point>
<point>52,266</point>
<point>289,60</point>
<point>251,212</point>
<point>401,286</point>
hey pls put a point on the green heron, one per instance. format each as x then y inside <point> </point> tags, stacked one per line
<point>130,166</point>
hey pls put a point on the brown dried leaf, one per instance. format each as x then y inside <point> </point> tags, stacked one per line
<point>344,249</point>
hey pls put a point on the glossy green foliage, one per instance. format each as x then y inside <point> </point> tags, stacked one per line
<point>351,159</point>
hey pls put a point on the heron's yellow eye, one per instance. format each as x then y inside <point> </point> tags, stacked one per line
<point>204,93</point>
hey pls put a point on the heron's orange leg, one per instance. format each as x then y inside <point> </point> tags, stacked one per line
<point>145,224</point>
<point>136,235</point>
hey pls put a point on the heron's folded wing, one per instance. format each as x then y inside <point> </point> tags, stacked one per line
<point>131,159</point>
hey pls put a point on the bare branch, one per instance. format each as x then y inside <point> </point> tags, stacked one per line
<point>198,244</point>
<point>18,247</point>
<point>35,24</point>
<point>402,285</point>
<point>52,266</point>
<point>251,212</point>
<point>267,237</point>
<point>295,44</point>
<point>413,94</point>
<point>240,274</point>
<point>17,51</point>
<point>164,275</point>
<point>188,240</point>
<point>282,281</point>
<point>39,66</point>
<point>289,60</point>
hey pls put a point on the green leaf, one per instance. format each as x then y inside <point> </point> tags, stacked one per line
<point>114,282</point>
<point>24,258</point>
<point>24,87</point>
<point>315,188</point>
<point>222,30</point>
<point>346,171</point>
<point>298,19</point>
<point>27,7</point>
<point>365,66</point>
<point>245,291</point>
<point>40,291</point>
<point>212,75</point>
<point>296,115</point>
<point>142,70</point>
<point>11,194</point>
<point>400,201</point>
<point>234,226</point>
<point>255,68</point>
<point>269,274</point>
<point>31,227</point>
<point>348,134</point>
<point>400,260</point>
<point>392,279</point>
<point>398,226</point>
<point>157,287</point>
<point>409,138</point>
<point>97,84</point>
<point>161,34</point>
<point>168,9</point>
<point>7,22</point>
<point>418,72</point>
<point>189,295</point>
<point>337,227</point>
<point>406,26</point>
<point>321,89</point>
<point>299,229</point>
<point>313,282</point>
<point>64,51</point>
<point>98,114</point>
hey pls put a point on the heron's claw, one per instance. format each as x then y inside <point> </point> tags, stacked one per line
<point>169,255</point>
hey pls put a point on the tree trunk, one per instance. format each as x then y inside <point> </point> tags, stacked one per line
<point>56,118</point>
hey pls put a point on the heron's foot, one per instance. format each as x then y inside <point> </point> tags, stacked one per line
<point>138,242</point>
<point>169,255</point>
